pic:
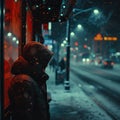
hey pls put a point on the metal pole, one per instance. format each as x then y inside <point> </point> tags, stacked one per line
<point>37,31</point>
<point>23,32</point>
<point>57,65</point>
<point>67,82</point>
<point>1,58</point>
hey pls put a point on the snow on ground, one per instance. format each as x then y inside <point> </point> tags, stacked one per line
<point>73,104</point>
<point>109,84</point>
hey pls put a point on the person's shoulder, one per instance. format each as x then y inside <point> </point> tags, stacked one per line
<point>21,84</point>
<point>22,80</point>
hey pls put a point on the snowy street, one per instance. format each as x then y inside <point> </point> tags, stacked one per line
<point>91,96</point>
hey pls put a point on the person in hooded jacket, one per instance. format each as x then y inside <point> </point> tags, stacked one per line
<point>7,78</point>
<point>28,90</point>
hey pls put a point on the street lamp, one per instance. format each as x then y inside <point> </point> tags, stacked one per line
<point>72,33</point>
<point>79,11</point>
<point>79,26</point>
<point>66,82</point>
<point>96,11</point>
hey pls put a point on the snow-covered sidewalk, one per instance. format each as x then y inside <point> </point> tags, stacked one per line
<point>72,104</point>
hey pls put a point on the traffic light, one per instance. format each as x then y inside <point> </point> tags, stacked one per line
<point>76,43</point>
<point>85,46</point>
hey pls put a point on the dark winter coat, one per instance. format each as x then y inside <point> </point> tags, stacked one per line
<point>62,64</point>
<point>28,94</point>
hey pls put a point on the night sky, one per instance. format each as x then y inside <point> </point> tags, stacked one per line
<point>107,23</point>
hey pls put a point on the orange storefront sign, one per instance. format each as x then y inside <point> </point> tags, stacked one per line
<point>110,38</point>
<point>98,37</point>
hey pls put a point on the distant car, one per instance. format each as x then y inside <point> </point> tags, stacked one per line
<point>86,60</point>
<point>107,63</point>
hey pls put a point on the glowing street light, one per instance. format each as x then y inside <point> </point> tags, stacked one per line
<point>64,41</point>
<point>14,39</point>
<point>9,34</point>
<point>17,42</point>
<point>96,11</point>
<point>79,26</point>
<point>72,33</point>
